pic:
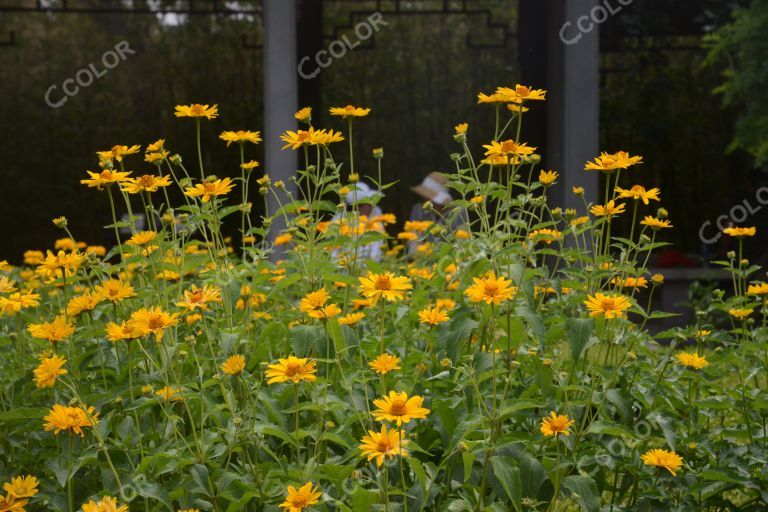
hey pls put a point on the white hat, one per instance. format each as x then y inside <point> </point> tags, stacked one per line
<point>359,192</point>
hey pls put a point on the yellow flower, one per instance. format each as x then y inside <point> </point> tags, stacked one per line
<point>349,111</point>
<point>579,191</point>
<point>123,331</point>
<point>170,394</point>
<point>607,162</point>
<point>607,305</point>
<point>115,290</point>
<point>156,158</point>
<point>141,238</point>
<point>240,136</point>
<point>654,223</point>
<point>385,363</point>
<point>630,282</point>
<point>22,487</point>
<point>668,460</point>
<point>145,183</point>
<point>399,408</point>
<point>158,145</point>
<point>210,188</point>
<point>545,235</point>
<point>313,300</point>
<point>54,331</point>
<point>491,289</point>
<point>283,239</point>
<point>152,320</point>
<point>197,110</point>
<point>107,504</point>
<point>301,498</point>
<point>578,221</point>
<point>758,289</point>
<point>445,304</point>
<point>17,301</point>
<point>521,93</point>
<point>248,166</point>
<point>737,232</point>
<point>387,443</point>
<point>292,369</point>
<point>547,178</point>
<point>461,129</point>
<point>198,298</point>
<point>432,316</point>
<point>351,319</point>
<point>70,419</point>
<point>49,370</point>
<point>117,153</point>
<point>105,177</point>
<point>740,313</point>
<point>507,148</point>
<point>639,192</point>
<point>85,302</point>
<point>304,115</point>
<point>61,264</point>
<point>692,360</point>
<point>555,424</point>
<point>609,210</point>
<point>386,285</point>
<point>11,504</point>
<point>234,365</point>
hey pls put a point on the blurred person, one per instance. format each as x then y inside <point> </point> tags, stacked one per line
<point>433,189</point>
<point>358,199</point>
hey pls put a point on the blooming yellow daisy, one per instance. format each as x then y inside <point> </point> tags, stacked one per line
<point>210,188</point>
<point>70,419</point>
<point>21,487</point>
<point>386,285</point>
<point>385,363</point>
<point>740,313</point>
<point>351,319</point>
<point>547,178</point>
<point>54,331</point>
<point>240,136</point>
<point>387,443</point>
<point>349,111</point>
<point>85,302</point>
<point>608,210</point>
<point>234,365</point>
<point>145,183</point>
<point>105,177</point>
<point>757,289</point>
<point>49,369</point>
<point>170,394</point>
<point>299,499</point>
<point>115,290</point>
<point>491,289</point>
<point>107,504</point>
<point>198,298</point>
<point>507,148</point>
<point>292,369</point>
<point>196,110</point>
<point>152,320</point>
<point>608,163</point>
<point>659,458</point>
<point>692,360</point>
<point>304,115</point>
<point>556,424</point>
<point>399,408</point>
<point>17,301</point>
<point>123,331</point>
<point>639,192</point>
<point>118,152</point>
<point>655,223</point>
<point>738,232</point>
<point>433,316</point>
<point>607,305</point>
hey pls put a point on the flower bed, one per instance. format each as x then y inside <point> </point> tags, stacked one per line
<point>495,360</point>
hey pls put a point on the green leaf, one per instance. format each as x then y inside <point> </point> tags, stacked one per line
<point>586,489</point>
<point>579,331</point>
<point>363,499</point>
<point>508,476</point>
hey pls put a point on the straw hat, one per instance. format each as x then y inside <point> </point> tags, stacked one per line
<point>433,189</point>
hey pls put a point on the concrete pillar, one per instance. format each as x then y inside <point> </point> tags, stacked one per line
<point>280,93</point>
<point>573,62</point>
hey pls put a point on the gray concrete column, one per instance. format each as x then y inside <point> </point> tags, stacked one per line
<point>280,93</point>
<point>573,62</point>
